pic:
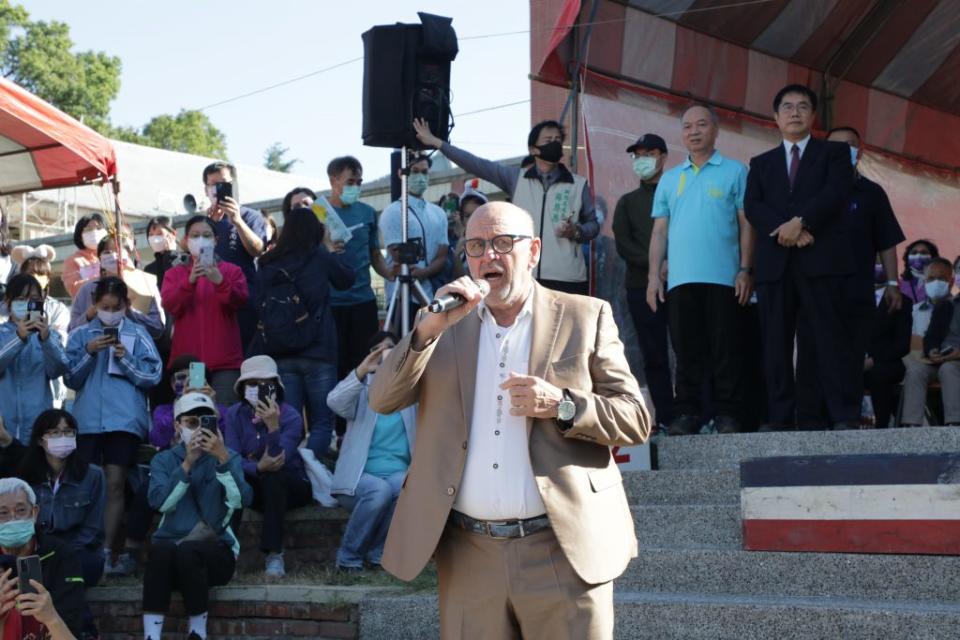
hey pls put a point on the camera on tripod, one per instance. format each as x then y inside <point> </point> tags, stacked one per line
<point>411,252</point>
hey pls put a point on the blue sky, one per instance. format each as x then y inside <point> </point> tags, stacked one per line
<point>187,54</point>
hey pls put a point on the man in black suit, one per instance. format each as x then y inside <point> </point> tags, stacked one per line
<point>889,342</point>
<point>795,199</point>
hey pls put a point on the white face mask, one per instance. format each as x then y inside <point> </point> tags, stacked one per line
<point>62,446</point>
<point>645,167</point>
<point>158,243</point>
<point>110,318</point>
<point>186,435</point>
<point>251,394</point>
<point>92,238</point>
<point>195,244</point>
<point>937,289</point>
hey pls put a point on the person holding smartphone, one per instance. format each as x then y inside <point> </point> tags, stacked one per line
<point>113,363</point>
<point>265,431</point>
<point>112,265</point>
<point>373,460</point>
<point>197,485</point>
<point>32,356</point>
<point>52,606</point>
<point>204,296</point>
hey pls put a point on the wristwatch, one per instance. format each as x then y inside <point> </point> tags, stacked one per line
<point>565,411</point>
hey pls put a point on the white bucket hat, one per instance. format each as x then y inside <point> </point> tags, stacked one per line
<point>257,368</point>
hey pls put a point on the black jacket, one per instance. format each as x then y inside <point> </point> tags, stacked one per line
<point>62,577</point>
<point>940,321</point>
<point>819,196</point>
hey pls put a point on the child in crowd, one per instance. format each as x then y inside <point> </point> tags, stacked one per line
<point>196,485</point>
<point>265,431</point>
<point>373,461</point>
<point>32,356</point>
<point>113,362</point>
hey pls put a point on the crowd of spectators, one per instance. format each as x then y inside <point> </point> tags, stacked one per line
<point>199,378</point>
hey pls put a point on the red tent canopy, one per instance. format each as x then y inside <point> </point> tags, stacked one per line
<point>888,67</point>
<point>43,148</point>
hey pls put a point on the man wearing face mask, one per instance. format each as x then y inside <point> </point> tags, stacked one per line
<point>373,460</point>
<point>355,309</point>
<point>560,203</point>
<point>426,222</point>
<point>937,319</point>
<point>56,610</point>
<point>241,235</point>
<point>632,226</point>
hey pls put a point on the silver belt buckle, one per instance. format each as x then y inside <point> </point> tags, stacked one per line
<point>490,533</point>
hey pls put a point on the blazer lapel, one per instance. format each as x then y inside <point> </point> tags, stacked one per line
<point>547,316</point>
<point>466,340</point>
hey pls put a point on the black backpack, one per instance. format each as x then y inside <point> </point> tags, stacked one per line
<point>286,326</point>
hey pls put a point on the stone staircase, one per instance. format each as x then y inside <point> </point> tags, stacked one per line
<point>692,580</point>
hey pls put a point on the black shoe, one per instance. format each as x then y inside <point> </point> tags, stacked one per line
<point>726,424</point>
<point>845,426</point>
<point>349,570</point>
<point>685,425</point>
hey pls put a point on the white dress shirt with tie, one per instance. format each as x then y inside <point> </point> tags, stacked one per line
<point>787,146</point>
<point>498,481</point>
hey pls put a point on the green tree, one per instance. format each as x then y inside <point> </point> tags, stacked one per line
<point>38,56</point>
<point>187,132</point>
<point>273,158</point>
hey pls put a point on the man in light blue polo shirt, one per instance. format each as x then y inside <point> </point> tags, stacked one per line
<point>698,214</point>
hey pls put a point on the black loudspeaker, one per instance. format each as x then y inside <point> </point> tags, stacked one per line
<point>406,75</point>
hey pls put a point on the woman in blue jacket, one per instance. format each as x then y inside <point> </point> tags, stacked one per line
<point>111,376</point>
<point>196,485</point>
<point>70,491</point>
<point>31,356</point>
<point>305,254</point>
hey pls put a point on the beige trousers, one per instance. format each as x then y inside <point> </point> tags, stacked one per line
<point>517,588</point>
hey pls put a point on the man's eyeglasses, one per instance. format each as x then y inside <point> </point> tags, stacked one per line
<point>20,512</point>
<point>476,247</point>
<point>800,107</point>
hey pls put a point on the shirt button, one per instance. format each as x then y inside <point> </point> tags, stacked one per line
<point>498,335</point>
<point>501,365</point>
<point>451,491</point>
<point>496,466</point>
<point>497,432</point>
<point>499,397</point>
<point>464,444</point>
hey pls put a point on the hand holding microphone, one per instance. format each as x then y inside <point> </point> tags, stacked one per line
<point>452,303</point>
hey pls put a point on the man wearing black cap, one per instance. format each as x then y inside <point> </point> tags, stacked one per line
<point>632,226</point>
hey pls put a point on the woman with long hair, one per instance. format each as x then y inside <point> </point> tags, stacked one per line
<point>304,255</point>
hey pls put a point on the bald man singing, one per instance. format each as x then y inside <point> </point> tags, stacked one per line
<point>512,487</point>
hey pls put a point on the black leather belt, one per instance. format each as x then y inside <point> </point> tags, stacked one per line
<point>500,528</point>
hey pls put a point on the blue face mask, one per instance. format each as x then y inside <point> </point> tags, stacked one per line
<point>19,308</point>
<point>853,155</point>
<point>417,183</point>
<point>351,193</point>
<point>16,533</point>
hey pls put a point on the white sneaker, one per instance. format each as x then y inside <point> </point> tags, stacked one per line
<point>275,568</point>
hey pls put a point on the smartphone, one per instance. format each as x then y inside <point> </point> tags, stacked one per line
<point>209,423</point>
<point>113,333</point>
<point>198,376</point>
<point>224,190</point>
<point>206,258</point>
<point>266,390</point>
<point>947,351</point>
<point>28,568</point>
<point>34,310</point>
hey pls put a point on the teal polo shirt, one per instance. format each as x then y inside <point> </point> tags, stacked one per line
<point>703,232</point>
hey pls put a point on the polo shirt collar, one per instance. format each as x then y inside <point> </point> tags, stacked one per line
<point>715,159</point>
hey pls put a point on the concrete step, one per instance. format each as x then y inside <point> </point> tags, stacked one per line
<point>695,616</point>
<point>726,451</point>
<point>688,526</point>
<point>682,486</point>
<point>736,572</point>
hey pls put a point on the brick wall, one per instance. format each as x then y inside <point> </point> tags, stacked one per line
<point>311,538</point>
<point>237,619</point>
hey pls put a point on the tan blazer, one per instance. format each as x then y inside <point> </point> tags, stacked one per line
<point>574,345</point>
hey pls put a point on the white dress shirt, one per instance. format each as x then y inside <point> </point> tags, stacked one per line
<point>787,146</point>
<point>498,481</point>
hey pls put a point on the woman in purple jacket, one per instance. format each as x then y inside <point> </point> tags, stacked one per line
<point>265,432</point>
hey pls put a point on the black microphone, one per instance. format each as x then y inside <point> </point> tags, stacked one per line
<point>454,300</point>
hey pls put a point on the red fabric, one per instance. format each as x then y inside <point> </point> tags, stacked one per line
<point>854,536</point>
<point>17,627</point>
<point>70,152</point>
<point>205,315</point>
<point>553,68</point>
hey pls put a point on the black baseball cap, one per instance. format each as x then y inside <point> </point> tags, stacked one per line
<point>648,142</point>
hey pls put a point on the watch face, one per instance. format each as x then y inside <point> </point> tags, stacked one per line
<point>566,410</point>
